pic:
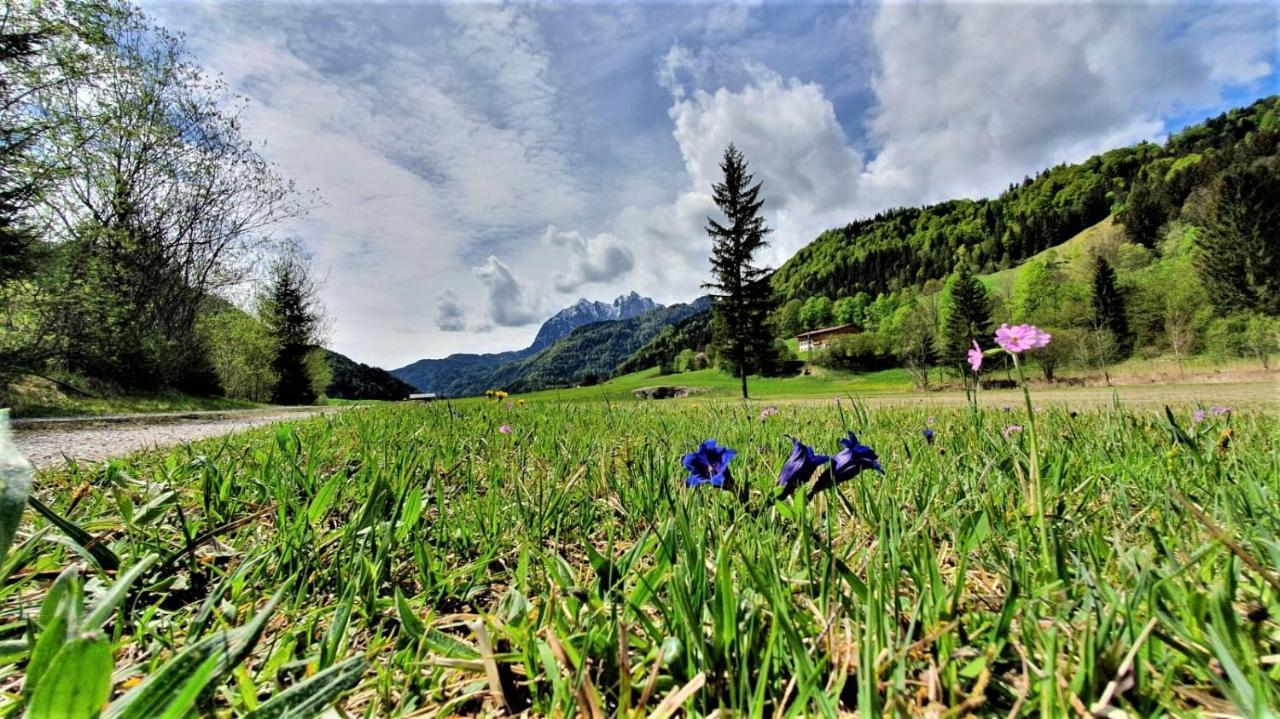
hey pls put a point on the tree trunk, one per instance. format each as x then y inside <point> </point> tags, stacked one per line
<point>742,368</point>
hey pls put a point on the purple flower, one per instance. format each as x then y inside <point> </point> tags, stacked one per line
<point>1010,429</point>
<point>975,357</point>
<point>846,465</point>
<point>799,467</point>
<point>1220,410</point>
<point>505,429</point>
<point>767,412</point>
<point>1021,338</point>
<point>1005,408</point>
<point>928,435</point>
<point>929,419</point>
<point>1197,416</point>
<point>709,465</point>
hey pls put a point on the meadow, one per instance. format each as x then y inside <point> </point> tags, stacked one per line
<point>492,557</point>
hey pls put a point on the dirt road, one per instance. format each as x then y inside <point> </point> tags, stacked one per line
<point>47,443</point>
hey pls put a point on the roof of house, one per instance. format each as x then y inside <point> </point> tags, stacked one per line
<point>828,330</point>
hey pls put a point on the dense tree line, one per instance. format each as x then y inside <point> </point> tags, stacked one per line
<point>130,203</point>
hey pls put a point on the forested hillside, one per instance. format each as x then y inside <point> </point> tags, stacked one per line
<point>356,380</point>
<point>1144,186</point>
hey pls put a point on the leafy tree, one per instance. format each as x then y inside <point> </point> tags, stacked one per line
<point>787,318</point>
<point>1108,305</point>
<point>1239,248</point>
<point>291,310</point>
<point>918,342</point>
<point>967,315</point>
<point>817,312</point>
<point>740,288</point>
<point>242,350</point>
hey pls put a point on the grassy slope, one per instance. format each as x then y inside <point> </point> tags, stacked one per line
<point>1074,252</point>
<point>34,397</point>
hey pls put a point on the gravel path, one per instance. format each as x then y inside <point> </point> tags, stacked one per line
<point>46,444</point>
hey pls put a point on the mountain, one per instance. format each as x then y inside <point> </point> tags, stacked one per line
<point>355,380</point>
<point>1144,186</point>
<point>463,374</point>
<point>592,352</point>
<point>583,312</point>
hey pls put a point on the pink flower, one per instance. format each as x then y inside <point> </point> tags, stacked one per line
<point>975,357</point>
<point>1021,338</point>
<point>767,412</point>
<point>1197,416</point>
<point>1220,410</point>
<point>1010,429</point>
<point>510,405</point>
<point>929,419</point>
<point>505,429</point>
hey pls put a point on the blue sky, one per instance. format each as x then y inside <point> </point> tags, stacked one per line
<point>482,165</point>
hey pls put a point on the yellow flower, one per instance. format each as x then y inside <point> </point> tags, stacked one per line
<point>131,682</point>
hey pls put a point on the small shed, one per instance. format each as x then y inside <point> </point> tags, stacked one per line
<point>423,397</point>
<point>817,339</point>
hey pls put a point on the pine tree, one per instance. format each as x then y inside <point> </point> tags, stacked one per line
<point>291,311</point>
<point>740,289</point>
<point>969,316</point>
<point>1108,305</point>
<point>1239,249</point>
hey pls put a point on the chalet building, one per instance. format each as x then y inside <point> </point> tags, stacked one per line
<point>817,339</point>
<point>423,397</point>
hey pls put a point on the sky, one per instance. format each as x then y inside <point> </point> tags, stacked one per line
<point>481,166</point>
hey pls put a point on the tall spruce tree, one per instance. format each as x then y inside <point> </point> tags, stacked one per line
<point>968,318</point>
<point>740,289</point>
<point>1108,305</point>
<point>292,313</point>
<point>1238,251</point>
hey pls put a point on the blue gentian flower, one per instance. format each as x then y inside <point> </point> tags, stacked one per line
<point>709,465</point>
<point>799,467</point>
<point>928,435</point>
<point>847,463</point>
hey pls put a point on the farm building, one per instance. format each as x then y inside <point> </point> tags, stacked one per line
<point>817,339</point>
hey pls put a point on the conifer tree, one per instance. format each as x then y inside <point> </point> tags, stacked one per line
<point>740,288</point>
<point>291,310</point>
<point>1238,251</point>
<point>969,318</point>
<point>1108,305</point>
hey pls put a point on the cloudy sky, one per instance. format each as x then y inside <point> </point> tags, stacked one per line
<point>483,165</point>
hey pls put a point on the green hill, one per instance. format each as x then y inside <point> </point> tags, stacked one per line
<point>1142,186</point>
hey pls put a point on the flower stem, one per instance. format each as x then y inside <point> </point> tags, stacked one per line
<point>1037,496</point>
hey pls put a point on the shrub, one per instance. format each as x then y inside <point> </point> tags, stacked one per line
<point>863,352</point>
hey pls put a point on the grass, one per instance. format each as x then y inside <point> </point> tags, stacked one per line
<point>712,383</point>
<point>37,397</point>
<point>414,560</point>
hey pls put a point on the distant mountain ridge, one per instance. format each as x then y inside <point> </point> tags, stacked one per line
<point>593,352</point>
<point>584,312</point>
<point>462,374</point>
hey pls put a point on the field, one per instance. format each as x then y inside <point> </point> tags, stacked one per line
<point>418,560</point>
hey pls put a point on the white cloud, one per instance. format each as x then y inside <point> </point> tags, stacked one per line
<point>450,315</point>
<point>510,303</point>
<point>972,96</point>
<point>598,259</point>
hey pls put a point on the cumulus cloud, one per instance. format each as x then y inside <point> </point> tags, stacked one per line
<point>597,259</point>
<point>450,315</point>
<point>510,303</point>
